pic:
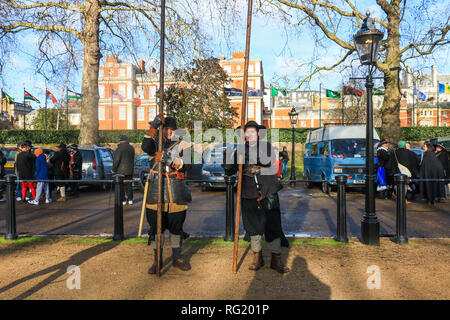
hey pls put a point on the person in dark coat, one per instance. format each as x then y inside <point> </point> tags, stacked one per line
<point>260,204</point>
<point>383,161</point>
<point>3,161</point>
<point>174,207</point>
<point>124,164</point>
<point>431,168</point>
<point>76,166</point>
<point>406,158</point>
<point>26,170</point>
<point>60,162</point>
<point>444,157</point>
<point>284,158</point>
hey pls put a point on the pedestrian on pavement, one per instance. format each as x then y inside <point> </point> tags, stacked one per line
<point>284,157</point>
<point>18,184</point>
<point>384,170</point>
<point>404,161</point>
<point>76,167</point>
<point>124,164</point>
<point>444,157</point>
<point>26,168</point>
<point>61,161</point>
<point>41,174</point>
<point>3,161</point>
<point>176,202</point>
<point>431,168</point>
<point>261,214</point>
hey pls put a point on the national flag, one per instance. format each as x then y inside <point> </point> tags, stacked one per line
<point>7,97</point>
<point>444,88</point>
<point>274,91</point>
<point>377,92</point>
<point>352,91</point>
<point>419,94</point>
<point>254,92</point>
<point>49,94</point>
<point>28,96</point>
<point>332,94</point>
<point>73,95</point>
<point>117,95</point>
<point>137,101</point>
<point>233,92</point>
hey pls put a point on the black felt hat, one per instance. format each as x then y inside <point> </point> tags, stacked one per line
<point>170,122</point>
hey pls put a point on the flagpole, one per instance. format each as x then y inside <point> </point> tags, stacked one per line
<point>45,111</point>
<point>342,104</point>
<point>67,109</point>
<point>24,119</point>
<point>112,109</point>
<point>437,105</point>
<point>414,109</point>
<point>320,105</point>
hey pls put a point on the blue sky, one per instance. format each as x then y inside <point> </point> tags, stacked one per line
<point>268,44</point>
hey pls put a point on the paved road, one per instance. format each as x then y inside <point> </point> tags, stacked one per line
<point>305,212</point>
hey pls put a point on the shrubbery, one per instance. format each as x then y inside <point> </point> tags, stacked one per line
<point>135,136</point>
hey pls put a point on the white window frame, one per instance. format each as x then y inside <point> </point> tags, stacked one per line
<point>122,72</point>
<point>101,91</point>
<point>141,92</point>
<point>151,112</point>
<point>152,91</point>
<point>101,72</point>
<point>251,68</point>
<point>251,107</point>
<point>123,90</point>
<point>227,69</point>
<point>140,113</point>
<point>122,113</point>
<point>101,112</point>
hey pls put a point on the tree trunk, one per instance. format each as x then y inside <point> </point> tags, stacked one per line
<point>89,86</point>
<point>390,110</point>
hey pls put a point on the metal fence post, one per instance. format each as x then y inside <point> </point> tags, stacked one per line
<point>118,207</point>
<point>341,229</point>
<point>11,233</point>
<point>400,232</point>
<point>229,222</point>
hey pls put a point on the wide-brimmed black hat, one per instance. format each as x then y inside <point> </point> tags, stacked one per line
<point>440,145</point>
<point>123,138</point>
<point>74,146</point>
<point>252,124</point>
<point>382,142</point>
<point>62,146</point>
<point>170,122</point>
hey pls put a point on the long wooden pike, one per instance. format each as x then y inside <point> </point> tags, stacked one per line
<point>160,136</point>
<point>243,118</point>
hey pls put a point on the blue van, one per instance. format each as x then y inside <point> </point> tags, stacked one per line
<point>335,150</point>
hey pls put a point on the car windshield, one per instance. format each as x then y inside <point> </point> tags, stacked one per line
<point>105,155</point>
<point>348,148</point>
<point>216,155</point>
<point>9,153</point>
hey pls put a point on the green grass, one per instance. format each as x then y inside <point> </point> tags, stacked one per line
<point>320,242</point>
<point>27,239</point>
<point>414,244</point>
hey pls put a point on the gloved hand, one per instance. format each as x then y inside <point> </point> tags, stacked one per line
<point>154,125</point>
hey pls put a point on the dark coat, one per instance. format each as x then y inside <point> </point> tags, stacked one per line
<point>124,159</point>
<point>267,180</point>
<point>384,160</point>
<point>431,169</point>
<point>60,161</point>
<point>406,158</point>
<point>26,167</point>
<point>76,165</point>
<point>3,161</point>
<point>444,157</point>
<point>284,156</point>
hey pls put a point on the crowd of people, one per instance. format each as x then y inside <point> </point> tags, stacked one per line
<point>434,164</point>
<point>38,164</point>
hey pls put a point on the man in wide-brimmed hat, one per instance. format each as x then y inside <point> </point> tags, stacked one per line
<point>60,162</point>
<point>260,203</point>
<point>176,195</point>
<point>76,164</point>
<point>384,176</point>
<point>444,157</point>
<point>124,164</point>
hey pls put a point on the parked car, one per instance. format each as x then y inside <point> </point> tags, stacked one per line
<point>97,164</point>
<point>212,170</point>
<point>419,153</point>
<point>9,153</point>
<point>141,168</point>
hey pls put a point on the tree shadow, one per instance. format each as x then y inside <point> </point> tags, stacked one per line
<point>59,269</point>
<point>299,283</point>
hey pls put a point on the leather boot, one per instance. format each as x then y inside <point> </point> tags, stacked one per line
<point>258,261</point>
<point>179,263</point>
<point>277,265</point>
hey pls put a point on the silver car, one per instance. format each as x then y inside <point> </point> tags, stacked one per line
<point>97,164</point>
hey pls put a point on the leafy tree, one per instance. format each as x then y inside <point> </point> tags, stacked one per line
<point>200,95</point>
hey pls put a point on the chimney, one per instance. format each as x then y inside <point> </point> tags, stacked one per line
<point>222,58</point>
<point>434,79</point>
<point>142,65</point>
<point>112,59</point>
<point>238,55</point>
<point>152,70</point>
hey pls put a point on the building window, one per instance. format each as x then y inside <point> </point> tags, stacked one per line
<point>122,113</point>
<point>302,123</point>
<point>238,67</point>
<point>250,111</point>
<point>445,124</point>
<point>251,68</point>
<point>122,72</point>
<point>250,84</point>
<point>122,90</point>
<point>152,92</point>
<point>227,68</point>
<point>101,113</point>
<point>141,113</point>
<point>140,92</point>
<point>151,113</point>
<point>101,91</point>
<point>101,72</point>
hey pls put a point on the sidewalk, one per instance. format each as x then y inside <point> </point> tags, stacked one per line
<point>321,269</point>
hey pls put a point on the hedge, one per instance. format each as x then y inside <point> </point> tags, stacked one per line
<point>135,136</point>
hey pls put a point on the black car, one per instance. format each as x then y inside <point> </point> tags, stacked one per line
<point>212,172</point>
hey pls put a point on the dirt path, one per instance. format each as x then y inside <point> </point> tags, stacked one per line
<point>320,270</point>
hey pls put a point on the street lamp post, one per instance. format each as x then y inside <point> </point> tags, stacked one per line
<point>293,116</point>
<point>367,41</point>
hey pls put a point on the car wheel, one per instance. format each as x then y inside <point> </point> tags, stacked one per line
<point>325,186</point>
<point>309,185</point>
